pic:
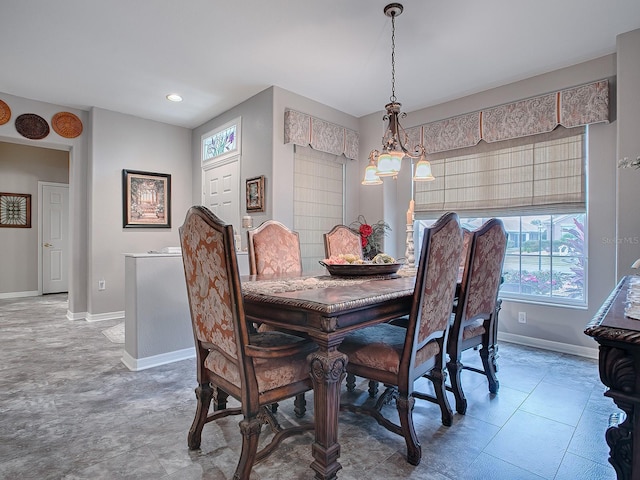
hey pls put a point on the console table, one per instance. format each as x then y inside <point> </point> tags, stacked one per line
<point>619,360</point>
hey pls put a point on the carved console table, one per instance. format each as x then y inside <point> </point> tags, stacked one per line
<point>619,359</point>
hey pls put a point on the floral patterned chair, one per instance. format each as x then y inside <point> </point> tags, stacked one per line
<point>397,356</point>
<point>476,313</point>
<point>342,240</point>
<point>257,369</point>
<point>273,248</point>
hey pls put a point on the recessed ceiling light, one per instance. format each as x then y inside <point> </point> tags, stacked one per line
<point>174,97</point>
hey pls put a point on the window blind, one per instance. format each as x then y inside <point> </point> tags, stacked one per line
<point>318,200</point>
<point>529,175</point>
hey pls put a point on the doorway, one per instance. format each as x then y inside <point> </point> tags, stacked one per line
<point>53,230</point>
<point>22,167</point>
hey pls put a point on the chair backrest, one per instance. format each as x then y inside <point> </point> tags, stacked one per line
<point>466,247</point>
<point>483,273</point>
<point>436,281</point>
<point>273,248</point>
<point>214,291</point>
<point>342,240</point>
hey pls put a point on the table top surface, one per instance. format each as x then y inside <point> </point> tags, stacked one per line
<point>324,304</point>
<point>325,293</point>
<point>611,322</point>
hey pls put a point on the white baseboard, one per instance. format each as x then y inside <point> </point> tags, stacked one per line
<point>98,317</point>
<point>33,293</point>
<point>137,364</point>
<point>76,316</point>
<point>550,345</point>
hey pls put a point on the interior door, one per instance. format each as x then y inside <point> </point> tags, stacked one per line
<point>55,238</point>
<point>221,192</point>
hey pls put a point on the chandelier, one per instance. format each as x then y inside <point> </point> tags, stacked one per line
<point>387,162</point>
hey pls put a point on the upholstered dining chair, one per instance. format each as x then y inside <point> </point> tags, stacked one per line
<point>273,248</point>
<point>397,356</point>
<point>342,240</point>
<point>475,322</point>
<point>257,369</point>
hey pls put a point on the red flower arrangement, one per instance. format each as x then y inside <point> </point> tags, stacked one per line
<point>370,235</point>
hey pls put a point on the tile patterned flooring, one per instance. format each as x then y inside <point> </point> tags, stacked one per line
<point>71,410</point>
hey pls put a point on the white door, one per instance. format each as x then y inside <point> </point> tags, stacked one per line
<point>221,192</point>
<point>55,238</point>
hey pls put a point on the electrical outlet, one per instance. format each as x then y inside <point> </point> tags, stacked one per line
<point>102,284</point>
<point>522,317</point>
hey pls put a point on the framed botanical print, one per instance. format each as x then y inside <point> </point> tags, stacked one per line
<point>146,199</point>
<point>255,194</point>
<point>15,210</point>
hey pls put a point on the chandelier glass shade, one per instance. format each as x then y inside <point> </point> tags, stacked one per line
<point>388,160</point>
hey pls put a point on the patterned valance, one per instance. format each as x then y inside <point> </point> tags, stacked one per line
<point>572,107</point>
<point>305,130</point>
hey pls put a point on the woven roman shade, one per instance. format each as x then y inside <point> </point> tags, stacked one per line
<point>542,173</point>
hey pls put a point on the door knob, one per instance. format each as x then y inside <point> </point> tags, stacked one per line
<point>48,245</point>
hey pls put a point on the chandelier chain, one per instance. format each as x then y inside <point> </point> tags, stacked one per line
<point>393,58</point>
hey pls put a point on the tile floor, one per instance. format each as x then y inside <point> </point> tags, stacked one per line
<point>71,410</point>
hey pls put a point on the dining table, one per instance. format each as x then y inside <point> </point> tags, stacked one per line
<point>325,308</point>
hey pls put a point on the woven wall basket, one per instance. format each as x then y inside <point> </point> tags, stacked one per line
<point>66,124</point>
<point>32,126</point>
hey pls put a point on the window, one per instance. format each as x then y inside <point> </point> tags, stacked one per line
<point>537,186</point>
<point>222,143</point>
<point>545,259</point>
<point>318,200</point>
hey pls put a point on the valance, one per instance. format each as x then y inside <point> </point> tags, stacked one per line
<point>305,130</point>
<point>572,107</point>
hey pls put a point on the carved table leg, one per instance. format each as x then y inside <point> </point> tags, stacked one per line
<point>618,371</point>
<point>327,372</point>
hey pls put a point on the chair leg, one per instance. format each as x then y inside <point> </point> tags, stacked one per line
<point>405,412</point>
<point>373,388</point>
<point>250,429</point>
<point>438,379</point>
<point>454,368</point>
<point>204,393</point>
<point>489,356</point>
<point>219,399</point>
<point>299,405</point>
<point>351,382</point>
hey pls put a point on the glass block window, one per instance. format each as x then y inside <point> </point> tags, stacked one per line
<point>318,201</point>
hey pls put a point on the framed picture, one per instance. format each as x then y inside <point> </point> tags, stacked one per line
<point>255,194</point>
<point>146,199</point>
<point>15,210</point>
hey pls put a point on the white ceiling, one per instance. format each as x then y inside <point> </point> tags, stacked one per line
<point>127,55</point>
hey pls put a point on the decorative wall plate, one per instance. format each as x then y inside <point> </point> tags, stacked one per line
<point>66,124</point>
<point>5,113</point>
<point>32,126</point>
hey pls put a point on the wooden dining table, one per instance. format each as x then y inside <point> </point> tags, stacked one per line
<point>326,308</point>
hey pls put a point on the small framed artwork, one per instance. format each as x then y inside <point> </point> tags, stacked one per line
<point>15,210</point>
<point>146,199</point>
<point>255,194</point>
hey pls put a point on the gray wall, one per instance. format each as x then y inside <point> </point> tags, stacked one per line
<point>21,168</point>
<point>125,142</point>
<point>628,234</point>
<point>265,153</point>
